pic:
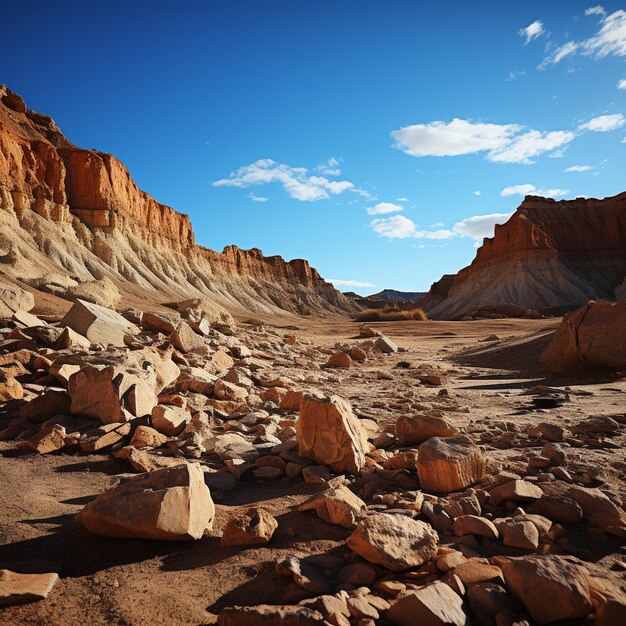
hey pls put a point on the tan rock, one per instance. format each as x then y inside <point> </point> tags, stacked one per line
<point>477,570</point>
<point>103,437</point>
<point>14,298</point>
<point>96,391</point>
<point>269,615</point>
<point>340,360</point>
<point>48,439</point>
<point>291,401</point>
<point>46,405</point>
<point>433,605</point>
<point>358,354</point>
<point>229,391</point>
<point>515,490</point>
<point>70,339</point>
<point>143,461</point>
<point>412,429</point>
<point>394,541</point>
<point>593,338</point>
<point>329,433</point>
<point>160,322</point>
<point>184,339</point>
<point>140,399</point>
<point>337,505</point>
<point>10,389</point>
<point>146,437</point>
<point>23,588</point>
<point>550,588</point>
<point>449,464</point>
<point>169,420</point>
<point>385,345</point>
<point>23,319</point>
<point>520,534</point>
<point>255,527</point>
<point>98,324</point>
<point>599,510</point>
<point>172,504</point>
<point>474,525</point>
<point>222,360</point>
<point>63,372</point>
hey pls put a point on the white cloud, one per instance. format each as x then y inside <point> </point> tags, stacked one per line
<point>578,168</point>
<point>609,40</point>
<point>479,226</point>
<point>528,189</point>
<point>532,31</point>
<point>514,74</point>
<point>597,10</point>
<point>604,123</point>
<point>559,54</point>
<point>504,143</point>
<point>402,199</point>
<point>296,181</point>
<point>256,198</point>
<point>621,84</point>
<point>384,207</point>
<point>476,193</point>
<point>401,227</point>
<point>530,144</point>
<point>349,283</point>
<point>330,167</point>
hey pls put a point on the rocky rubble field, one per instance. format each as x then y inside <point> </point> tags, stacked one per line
<point>178,467</point>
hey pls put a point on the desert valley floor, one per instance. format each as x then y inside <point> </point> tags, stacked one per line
<point>121,581</point>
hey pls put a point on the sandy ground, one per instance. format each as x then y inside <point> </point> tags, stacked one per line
<point>107,581</point>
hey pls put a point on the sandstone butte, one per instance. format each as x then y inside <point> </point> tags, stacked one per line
<point>548,255</point>
<point>74,215</point>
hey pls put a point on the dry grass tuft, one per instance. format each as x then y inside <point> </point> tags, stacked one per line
<point>391,315</point>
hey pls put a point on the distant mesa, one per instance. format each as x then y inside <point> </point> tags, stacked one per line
<point>549,257</point>
<point>386,298</point>
<point>72,216</point>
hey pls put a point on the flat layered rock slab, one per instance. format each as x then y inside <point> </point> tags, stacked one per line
<point>18,588</point>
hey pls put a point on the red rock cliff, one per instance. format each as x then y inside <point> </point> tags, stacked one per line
<point>91,197</point>
<point>548,254</point>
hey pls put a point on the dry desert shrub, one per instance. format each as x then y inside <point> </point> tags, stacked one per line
<point>391,315</point>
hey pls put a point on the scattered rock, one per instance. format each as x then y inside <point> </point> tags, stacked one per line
<point>337,505</point>
<point>171,504</point>
<point>449,464</point>
<point>411,429</point>
<point>23,588</point>
<point>394,541</point>
<point>256,526</point>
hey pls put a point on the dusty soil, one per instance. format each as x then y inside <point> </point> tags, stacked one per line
<point>108,581</point>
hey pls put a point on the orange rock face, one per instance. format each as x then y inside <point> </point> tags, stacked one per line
<point>98,222</point>
<point>548,254</point>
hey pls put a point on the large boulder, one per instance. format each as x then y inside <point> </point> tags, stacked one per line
<point>551,588</point>
<point>396,542</point>
<point>98,324</point>
<point>173,504</point>
<point>449,464</point>
<point>14,298</point>
<point>329,433</point>
<point>591,339</point>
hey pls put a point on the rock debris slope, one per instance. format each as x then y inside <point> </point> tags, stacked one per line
<point>548,254</point>
<point>70,216</point>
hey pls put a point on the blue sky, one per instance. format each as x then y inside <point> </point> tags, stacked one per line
<point>371,138</point>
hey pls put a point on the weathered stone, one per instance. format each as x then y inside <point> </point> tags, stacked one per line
<point>337,505</point>
<point>385,345</point>
<point>449,464</point>
<point>146,437</point>
<point>70,339</point>
<point>184,339</point>
<point>14,298</point>
<point>171,504</point>
<point>23,588</point>
<point>160,322</point>
<point>169,420</point>
<point>256,526</point>
<point>10,389</point>
<point>339,359</point>
<point>50,403</point>
<point>303,574</point>
<point>550,588</point>
<point>433,605</point>
<point>474,525</point>
<point>520,534</point>
<point>98,324</point>
<point>412,429</point>
<point>103,437</point>
<point>47,439</point>
<point>515,490</point>
<point>394,541</point>
<point>96,391</point>
<point>140,399</point>
<point>358,574</point>
<point>329,433</point>
<point>599,511</point>
<point>559,509</point>
<point>269,615</point>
